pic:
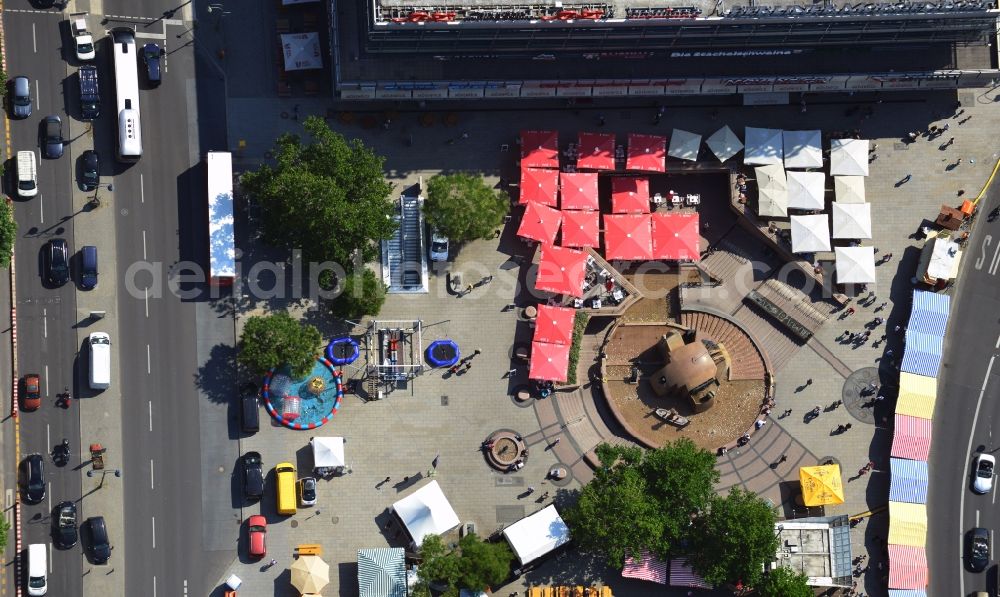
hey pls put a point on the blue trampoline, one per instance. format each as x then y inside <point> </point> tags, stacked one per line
<point>443,353</point>
<point>342,351</point>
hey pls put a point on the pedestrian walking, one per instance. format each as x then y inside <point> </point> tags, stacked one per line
<point>906,179</point>
<point>871,464</point>
<point>945,128</point>
<point>512,372</point>
<point>888,352</point>
<point>897,328</point>
<point>468,365</point>
<point>850,310</point>
<point>879,398</point>
<point>759,423</point>
<point>880,307</point>
<point>476,352</point>
<point>847,427</point>
<point>531,489</point>
<point>783,458</point>
<point>809,382</point>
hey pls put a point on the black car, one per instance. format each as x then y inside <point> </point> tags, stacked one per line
<point>253,475</point>
<point>249,409</point>
<point>90,167</point>
<point>979,549</point>
<point>57,262</point>
<point>52,142</point>
<point>151,57</point>
<point>65,523</point>
<point>99,549</point>
<point>34,479</point>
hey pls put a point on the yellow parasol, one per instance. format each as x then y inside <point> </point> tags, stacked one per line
<point>310,574</point>
<point>821,485</point>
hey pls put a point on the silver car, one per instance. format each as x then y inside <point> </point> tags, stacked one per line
<point>20,97</point>
<point>983,465</point>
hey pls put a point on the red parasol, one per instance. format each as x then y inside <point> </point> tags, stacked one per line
<point>578,190</point>
<point>647,152</point>
<point>554,324</point>
<point>629,195</point>
<point>539,149</point>
<point>627,237</point>
<point>581,229</point>
<point>596,151</point>
<point>675,236</point>
<point>539,184</point>
<point>561,270</point>
<point>549,362</point>
<point>539,222</point>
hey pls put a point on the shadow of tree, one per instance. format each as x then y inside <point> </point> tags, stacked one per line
<point>217,377</point>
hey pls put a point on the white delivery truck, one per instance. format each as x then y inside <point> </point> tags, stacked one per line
<point>83,40</point>
<point>27,174</point>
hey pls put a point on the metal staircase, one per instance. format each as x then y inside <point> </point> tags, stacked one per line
<point>404,260</point>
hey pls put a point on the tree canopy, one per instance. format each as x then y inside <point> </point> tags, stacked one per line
<point>273,340</point>
<point>8,232</point>
<point>474,565</point>
<point>463,207</point>
<point>734,539</point>
<point>326,195</point>
<point>784,582</point>
<point>363,294</point>
<point>642,500</point>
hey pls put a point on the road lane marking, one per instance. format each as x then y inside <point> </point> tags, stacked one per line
<point>48,496</point>
<point>38,105</point>
<point>34,38</point>
<point>145,292</point>
<point>142,190</point>
<point>45,322</point>
<point>151,416</point>
<point>149,362</point>
<point>977,518</point>
<point>154,586</point>
<point>41,207</point>
<point>50,558</point>
<point>143,245</point>
<point>46,381</point>
<point>154,532</point>
<point>968,450</point>
<point>997,345</point>
<point>48,435</point>
<point>152,485</point>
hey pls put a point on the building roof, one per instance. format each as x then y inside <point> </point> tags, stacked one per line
<point>819,547</point>
<point>688,366</point>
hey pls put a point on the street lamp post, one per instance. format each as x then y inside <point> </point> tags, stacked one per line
<point>96,200</point>
<point>104,473</point>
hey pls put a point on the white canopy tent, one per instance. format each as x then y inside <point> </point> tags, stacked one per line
<point>849,189</point>
<point>810,233</point>
<point>806,190</point>
<point>684,145</point>
<point>763,147</point>
<point>426,511</point>
<point>772,191</point>
<point>848,157</point>
<point>803,149</point>
<point>855,265</point>
<point>536,535</point>
<point>724,143</point>
<point>301,51</point>
<point>328,454</point>
<point>852,220</point>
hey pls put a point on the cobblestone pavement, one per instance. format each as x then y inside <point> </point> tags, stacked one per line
<point>399,436</point>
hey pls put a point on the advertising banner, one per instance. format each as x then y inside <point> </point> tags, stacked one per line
<point>508,90</point>
<point>532,91</point>
<point>941,79</point>
<point>680,86</point>
<point>862,82</point>
<point>578,89</point>
<point>610,90</point>
<point>641,87</point>
<point>718,86</point>
<point>359,93</point>
<point>833,83</point>
<point>465,92</point>
<point>393,93</point>
<point>438,93</point>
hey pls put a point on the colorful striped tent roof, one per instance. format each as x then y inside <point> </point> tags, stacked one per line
<point>929,314</point>
<point>907,593</point>
<point>907,568</point>
<point>908,526</point>
<point>681,575</point>
<point>909,481</point>
<point>911,438</point>
<point>646,567</point>
<point>923,353</point>
<point>382,572</point>
<point>917,395</point>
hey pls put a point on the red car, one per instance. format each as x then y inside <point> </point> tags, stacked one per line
<point>32,392</point>
<point>257,532</point>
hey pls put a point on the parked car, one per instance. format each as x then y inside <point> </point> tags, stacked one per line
<point>52,146</point>
<point>88,267</point>
<point>34,475</point>
<point>57,262</point>
<point>439,246</point>
<point>99,548</point>
<point>151,58</point>
<point>983,464</point>
<point>90,168</point>
<point>65,523</point>
<point>256,536</point>
<point>253,475</point>
<point>20,97</point>
<point>307,491</point>
<point>32,392</point>
<point>249,409</point>
<point>979,549</point>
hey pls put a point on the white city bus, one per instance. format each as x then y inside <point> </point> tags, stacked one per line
<point>127,94</point>
<point>221,234</point>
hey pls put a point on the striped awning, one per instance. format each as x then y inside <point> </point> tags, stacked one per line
<point>923,353</point>
<point>909,481</point>
<point>681,575</point>
<point>907,567</point>
<point>646,567</point>
<point>917,395</point>
<point>907,526</point>
<point>929,314</point>
<point>382,572</point>
<point>907,593</point>
<point>911,438</point>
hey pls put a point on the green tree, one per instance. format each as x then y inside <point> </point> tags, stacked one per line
<point>4,527</point>
<point>785,582</point>
<point>463,207</point>
<point>642,500</point>
<point>8,232</point>
<point>734,539</point>
<point>327,196</point>
<point>474,565</point>
<point>273,340</point>
<point>363,294</point>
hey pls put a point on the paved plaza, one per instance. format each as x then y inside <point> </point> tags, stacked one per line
<point>448,416</point>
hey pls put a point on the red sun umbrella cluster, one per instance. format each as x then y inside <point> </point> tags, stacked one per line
<point>539,149</point>
<point>578,190</point>
<point>581,229</point>
<point>554,325</point>
<point>549,362</point>
<point>561,270</point>
<point>647,153</point>
<point>675,236</point>
<point>627,236</point>
<point>540,222</point>
<point>629,195</point>
<point>596,151</point>
<point>539,184</point>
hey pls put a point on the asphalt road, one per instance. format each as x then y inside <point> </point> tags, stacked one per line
<point>968,409</point>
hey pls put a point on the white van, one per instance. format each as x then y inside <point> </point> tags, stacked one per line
<point>100,360</point>
<point>27,174</point>
<point>38,568</point>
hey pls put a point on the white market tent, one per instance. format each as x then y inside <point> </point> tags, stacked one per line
<point>852,220</point>
<point>772,191</point>
<point>806,190</point>
<point>810,233</point>
<point>849,189</point>
<point>382,572</point>
<point>425,512</point>
<point>848,157</point>
<point>803,149</point>
<point>684,145</point>
<point>724,143</point>
<point>301,51</point>
<point>328,452</point>
<point>763,147</point>
<point>855,265</point>
<point>536,535</point>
